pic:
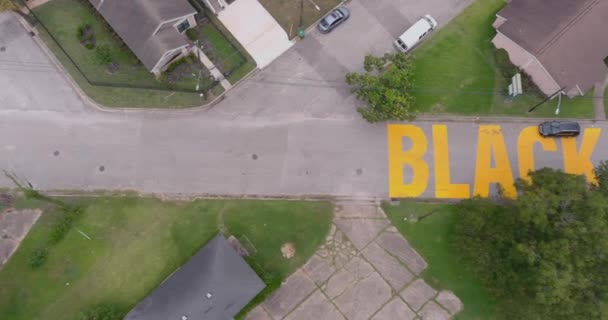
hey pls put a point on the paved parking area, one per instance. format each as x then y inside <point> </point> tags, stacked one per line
<point>308,80</point>
<point>365,270</point>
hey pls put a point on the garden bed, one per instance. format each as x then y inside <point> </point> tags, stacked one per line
<point>224,51</point>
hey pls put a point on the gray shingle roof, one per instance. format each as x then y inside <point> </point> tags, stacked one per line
<point>216,270</point>
<point>135,21</point>
<point>567,37</point>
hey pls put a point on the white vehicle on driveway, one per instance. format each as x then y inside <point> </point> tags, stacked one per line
<point>412,36</point>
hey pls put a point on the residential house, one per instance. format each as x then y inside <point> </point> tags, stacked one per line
<point>152,29</point>
<point>561,44</point>
<point>215,284</point>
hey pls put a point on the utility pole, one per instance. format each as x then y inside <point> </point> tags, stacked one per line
<point>546,99</point>
<point>198,55</point>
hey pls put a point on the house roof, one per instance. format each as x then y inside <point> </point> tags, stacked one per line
<point>136,22</point>
<point>215,284</point>
<point>566,36</point>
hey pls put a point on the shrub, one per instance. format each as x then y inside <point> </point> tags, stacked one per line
<point>38,257</point>
<point>192,34</point>
<point>504,65</point>
<point>507,70</point>
<point>101,312</point>
<point>103,55</point>
<point>65,222</point>
<point>176,64</point>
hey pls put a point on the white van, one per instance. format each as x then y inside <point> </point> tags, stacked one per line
<point>415,33</point>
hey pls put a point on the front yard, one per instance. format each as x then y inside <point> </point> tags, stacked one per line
<point>294,14</point>
<point>431,236</point>
<point>222,49</point>
<point>106,69</point>
<point>456,72</point>
<point>135,243</point>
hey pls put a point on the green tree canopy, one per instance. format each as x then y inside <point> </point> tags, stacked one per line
<point>384,86</point>
<point>546,253</point>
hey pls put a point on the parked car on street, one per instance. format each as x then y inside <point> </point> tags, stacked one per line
<point>559,129</point>
<point>333,19</point>
<point>412,36</point>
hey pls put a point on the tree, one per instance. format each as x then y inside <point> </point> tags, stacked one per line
<point>102,312</point>
<point>601,173</point>
<point>545,253</point>
<point>385,88</point>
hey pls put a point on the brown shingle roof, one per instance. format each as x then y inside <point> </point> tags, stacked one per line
<point>566,36</point>
<point>135,21</point>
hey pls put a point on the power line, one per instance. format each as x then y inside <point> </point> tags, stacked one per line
<point>322,83</point>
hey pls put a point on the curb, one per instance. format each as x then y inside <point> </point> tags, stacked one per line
<point>92,103</point>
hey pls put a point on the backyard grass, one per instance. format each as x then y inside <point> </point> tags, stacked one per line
<point>431,237</point>
<point>137,242</point>
<point>456,73</point>
<point>63,17</point>
<point>294,14</point>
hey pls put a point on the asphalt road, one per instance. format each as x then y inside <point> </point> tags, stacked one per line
<point>292,129</point>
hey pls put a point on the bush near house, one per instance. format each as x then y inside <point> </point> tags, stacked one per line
<point>507,70</point>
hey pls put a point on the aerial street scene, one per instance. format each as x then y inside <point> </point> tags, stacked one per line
<point>303,160</point>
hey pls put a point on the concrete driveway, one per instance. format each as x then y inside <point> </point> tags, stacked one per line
<point>308,80</point>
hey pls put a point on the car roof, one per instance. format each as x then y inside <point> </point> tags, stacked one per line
<point>411,36</point>
<point>569,125</point>
<point>565,125</point>
<point>332,16</point>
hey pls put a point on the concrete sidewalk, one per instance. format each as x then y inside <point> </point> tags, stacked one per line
<point>598,99</point>
<point>365,270</point>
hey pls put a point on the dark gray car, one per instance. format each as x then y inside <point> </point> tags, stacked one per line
<point>333,19</point>
<point>559,129</point>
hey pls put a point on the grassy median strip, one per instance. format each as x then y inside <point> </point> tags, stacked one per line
<point>456,72</point>
<point>429,228</point>
<point>136,242</point>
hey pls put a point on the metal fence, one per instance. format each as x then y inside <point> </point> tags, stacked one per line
<point>91,74</point>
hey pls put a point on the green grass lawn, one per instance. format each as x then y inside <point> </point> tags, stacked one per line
<point>431,237</point>
<point>297,13</point>
<point>63,17</point>
<point>455,72</point>
<point>138,242</point>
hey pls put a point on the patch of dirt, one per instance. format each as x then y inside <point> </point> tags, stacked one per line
<point>288,250</point>
<point>112,67</point>
<point>437,108</point>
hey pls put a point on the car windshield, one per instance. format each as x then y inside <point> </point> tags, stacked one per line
<point>324,23</point>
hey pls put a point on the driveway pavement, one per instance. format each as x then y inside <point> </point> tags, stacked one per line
<point>365,270</point>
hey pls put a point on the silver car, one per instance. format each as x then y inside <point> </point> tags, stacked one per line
<point>333,19</point>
